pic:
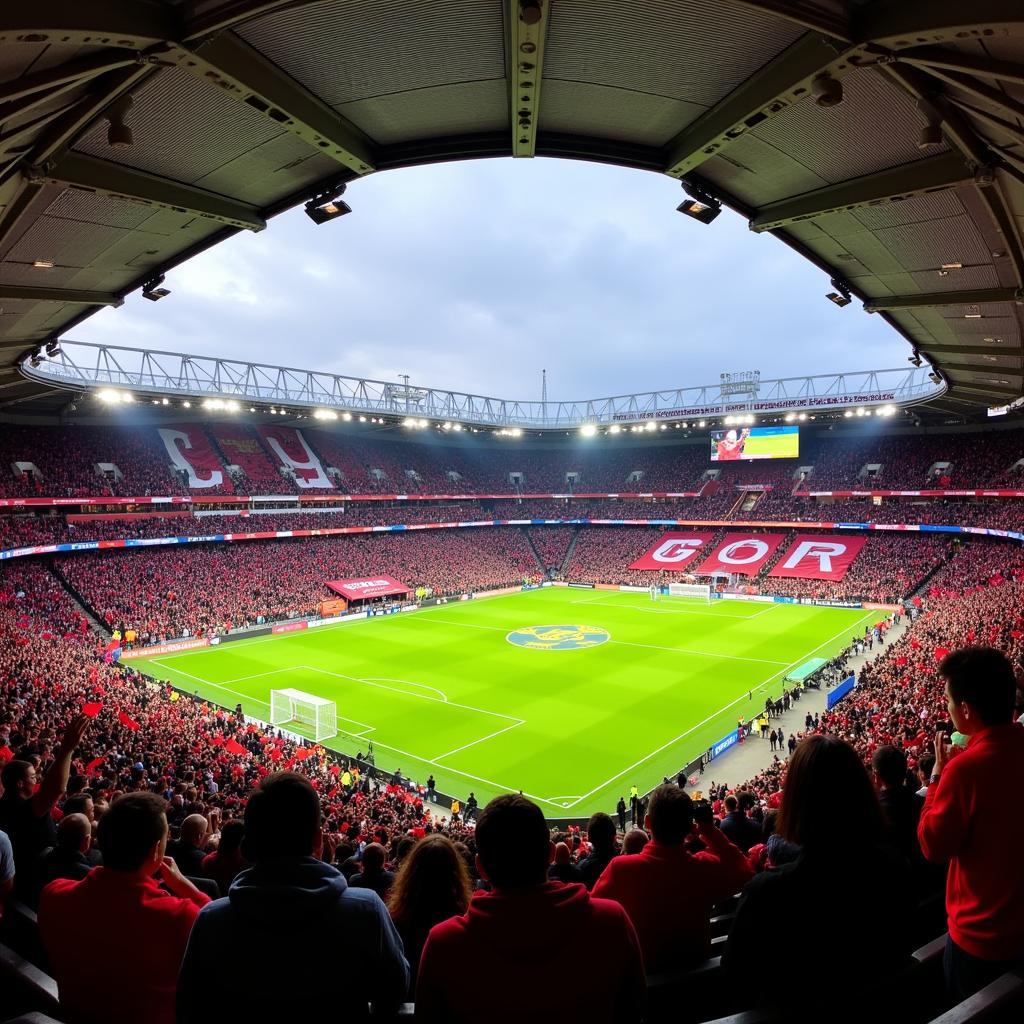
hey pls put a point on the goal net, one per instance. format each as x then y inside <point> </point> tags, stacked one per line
<point>305,709</point>
<point>698,590</point>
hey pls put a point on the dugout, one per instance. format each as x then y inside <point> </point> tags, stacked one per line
<point>363,594</point>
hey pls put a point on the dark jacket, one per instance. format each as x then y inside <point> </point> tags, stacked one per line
<point>741,830</point>
<point>591,866</point>
<point>857,904</point>
<point>59,863</point>
<point>334,945</point>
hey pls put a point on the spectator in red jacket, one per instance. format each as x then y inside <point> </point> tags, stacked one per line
<point>530,941</point>
<point>966,820</point>
<point>668,891</point>
<point>119,908</point>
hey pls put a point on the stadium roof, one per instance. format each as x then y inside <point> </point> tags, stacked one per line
<point>884,141</point>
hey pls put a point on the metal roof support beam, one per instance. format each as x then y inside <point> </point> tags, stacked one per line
<point>939,351</point>
<point>928,57</point>
<point>1012,371</point>
<point>787,79</point>
<point>893,185</point>
<point>986,389</point>
<point>245,74</point>
<point>974,297</point>
<point>110,179</point>
<point>525,71</point>
<point>71,295</point>
<point>902,24</point>
<point>109,23</point>
<point>779,84</point>
<point>66,75</point>
<point>985,93</point>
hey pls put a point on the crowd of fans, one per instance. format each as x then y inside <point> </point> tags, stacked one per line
<point>103,767</point>
<point>67,458</point>
<point>164,593</point>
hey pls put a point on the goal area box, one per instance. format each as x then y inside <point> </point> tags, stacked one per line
<point>320,714</point>
<point>702,591</point>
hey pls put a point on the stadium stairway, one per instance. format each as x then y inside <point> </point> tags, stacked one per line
<point>570,548</point>
<point>533,551</point>
<point>96,624</point>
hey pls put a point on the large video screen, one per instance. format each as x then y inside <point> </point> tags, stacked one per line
<point>735,444</point>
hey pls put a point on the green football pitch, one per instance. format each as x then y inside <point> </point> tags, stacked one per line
<point>569,695</point>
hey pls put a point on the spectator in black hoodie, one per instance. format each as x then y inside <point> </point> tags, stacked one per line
<point>291,903</point>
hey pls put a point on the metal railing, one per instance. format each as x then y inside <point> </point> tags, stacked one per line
<point>85,366</point>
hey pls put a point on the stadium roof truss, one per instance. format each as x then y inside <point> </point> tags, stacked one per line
<point>135,135</point>
<point>82,366</point>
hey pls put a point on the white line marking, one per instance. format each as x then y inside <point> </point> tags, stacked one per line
<point>408,682</point>
<point>490,736</point>
<point>666,611</point>
<point>759,686</point>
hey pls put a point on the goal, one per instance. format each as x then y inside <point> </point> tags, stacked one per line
<point>305,709</point>
<point>699,590</point>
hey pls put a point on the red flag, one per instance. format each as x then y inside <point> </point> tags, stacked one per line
<point>93,765</point>
<point>275,755</point>
<point>234,747</point>
<point>301,753</point>
<point>902,660</point>
<point>941,652</point>
<point>6,754</point>
<point>333,793</point>
<point>288,764</point>
<point>127,721</point>
<point>92,709</point>
<point>217,741</point>
<point>1016,634</point>
<point>335,770</point>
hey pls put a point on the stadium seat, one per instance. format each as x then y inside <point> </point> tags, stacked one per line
<point>35,1017</point>
<point>1001,1000</point>
<point>25,987</point>
<point>694,994</point>
<point>19,930</point>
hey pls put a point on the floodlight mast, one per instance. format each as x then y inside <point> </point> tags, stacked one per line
<point>150,373</point>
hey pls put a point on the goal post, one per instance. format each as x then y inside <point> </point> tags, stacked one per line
<point>698,590</point>
<point>318,713</point>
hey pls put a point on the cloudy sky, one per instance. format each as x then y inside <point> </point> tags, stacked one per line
<point>475,276</point>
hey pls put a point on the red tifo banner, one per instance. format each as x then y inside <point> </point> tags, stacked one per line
<point>190,451</point>
<point>674,551</point>
<point>813,557</point>
<point>293,452</point>
<point>373,586</point>
<point>742,553</point>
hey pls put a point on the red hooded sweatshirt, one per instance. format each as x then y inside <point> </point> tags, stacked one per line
<point>528,954</point>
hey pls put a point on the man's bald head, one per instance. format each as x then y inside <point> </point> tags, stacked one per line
<point>193,830</point>
<point>74,832</point>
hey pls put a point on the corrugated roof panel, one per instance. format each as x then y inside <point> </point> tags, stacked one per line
<point>183,128</point>
<point>689,50</point>
<point>934,206</point>
<point>927,246</point>
<point>72,243</point>
<point>756,172</point>
<point>428,113</point>
<point>578,108</point>
<point>90,208</point>
<point>351,50</point>
<point>848,140</point>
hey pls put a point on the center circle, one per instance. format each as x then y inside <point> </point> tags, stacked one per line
<point>558,638</point>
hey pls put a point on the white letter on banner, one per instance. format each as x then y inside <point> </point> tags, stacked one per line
<point>170,439</point>
<point>319,479</point>
<point>759,548</point>
<point>822,550</point>
<point>676,550</point>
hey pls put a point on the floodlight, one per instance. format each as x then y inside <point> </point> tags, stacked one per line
<point>841,295</point>
<point>848,413</point>
<point>456,427</point>
<point>588,430</point>
<point>916,358</point>
<point>153,291</point>
<point>699,205</point>
<point>651,426</point>
<point>790,417</point>
<point>53,348</point>
<point>347,417</point>
<point>327,206</point>
<point>187,404</point>
<point>826,91</point>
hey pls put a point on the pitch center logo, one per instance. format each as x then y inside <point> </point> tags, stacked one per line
<point>558,638</point>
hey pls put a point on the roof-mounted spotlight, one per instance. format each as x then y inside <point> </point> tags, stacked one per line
<point>699,205</point>
<point>154,290</point>
<point>327,206</point>
<point>841,296</point>
<point>827,91</point>
<point>934,377</point>
<point>931,131</point>
<point>916,358</point>
<point>53,348</point>
<point>119,135</point>
<point>530,11</point>
<point>37,357</point>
